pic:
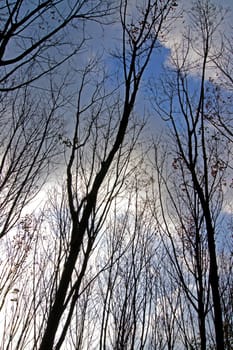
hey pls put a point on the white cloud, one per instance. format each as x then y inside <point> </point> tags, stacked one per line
<point>184,26</point>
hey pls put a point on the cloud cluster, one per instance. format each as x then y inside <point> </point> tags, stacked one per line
<point>185,39</point>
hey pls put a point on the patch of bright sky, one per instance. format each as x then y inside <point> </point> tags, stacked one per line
<point>224,14</point>
<point>106,39</point>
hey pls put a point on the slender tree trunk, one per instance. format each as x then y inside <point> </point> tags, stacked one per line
<point>202,330</point>
<point>214,283</point>
<point>213,273</point>
<point>201,293</point>
<point>213,270</point>
<point>58,306</point>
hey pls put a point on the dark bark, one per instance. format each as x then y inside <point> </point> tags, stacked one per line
<point>135,62</point>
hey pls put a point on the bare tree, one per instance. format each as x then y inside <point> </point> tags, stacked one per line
<point>28,133</point>
<point>35,38</point>
<point>22,294</point>
<point>201,152</point>
<point>183,234</point>
<point>225,265</point>
<point>126,287</point>
<point>220,111</point>
<point>105,132</point>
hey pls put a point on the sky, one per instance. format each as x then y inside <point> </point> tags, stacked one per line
<point>108,37</point>
<point>107,40</point>
<point>162,56</point>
